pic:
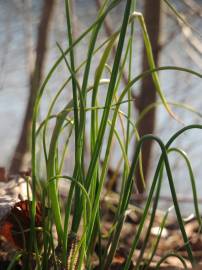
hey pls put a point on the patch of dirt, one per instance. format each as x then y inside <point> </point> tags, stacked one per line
<point>170,241</point>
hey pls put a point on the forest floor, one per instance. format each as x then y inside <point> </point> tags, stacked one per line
<point>171,240</point>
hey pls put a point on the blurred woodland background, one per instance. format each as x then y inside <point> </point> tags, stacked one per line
<point>29,30</point>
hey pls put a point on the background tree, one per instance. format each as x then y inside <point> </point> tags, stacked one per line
<point>35,79</point>
<point>152,15</point>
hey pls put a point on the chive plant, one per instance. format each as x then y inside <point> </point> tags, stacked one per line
<point>81,218</point>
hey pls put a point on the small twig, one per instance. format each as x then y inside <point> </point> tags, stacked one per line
<point>194,7</point>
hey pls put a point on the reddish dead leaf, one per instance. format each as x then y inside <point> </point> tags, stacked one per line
<point>2,174</point>
<point>119,259</point>
<point>15,226</point>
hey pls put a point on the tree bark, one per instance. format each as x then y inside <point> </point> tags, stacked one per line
<point>147,95</point>
<point>35,79</point>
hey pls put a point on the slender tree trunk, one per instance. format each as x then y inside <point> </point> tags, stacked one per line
<point>35,79</point>
<point>148,94</point>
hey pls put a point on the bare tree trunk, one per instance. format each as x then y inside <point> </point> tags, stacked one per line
<point>148,94</point>
<point>35,79</point>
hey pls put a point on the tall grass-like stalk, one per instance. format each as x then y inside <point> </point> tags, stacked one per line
<point>80,213</point>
